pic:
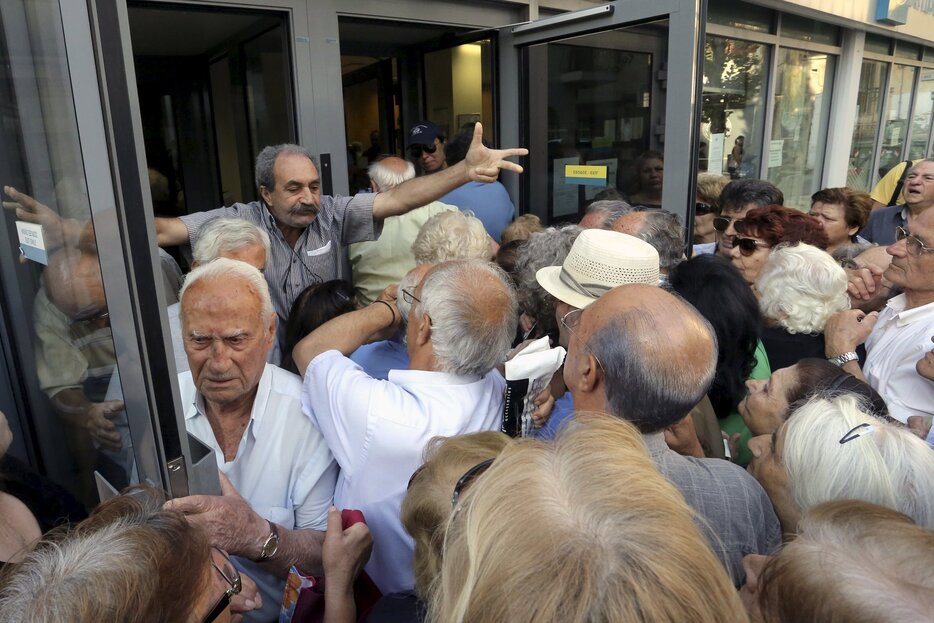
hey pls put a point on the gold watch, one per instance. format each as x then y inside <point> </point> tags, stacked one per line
<point>271,545</point>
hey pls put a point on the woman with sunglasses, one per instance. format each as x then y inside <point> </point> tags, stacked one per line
<point>131,560</point>
<point>762,229</point>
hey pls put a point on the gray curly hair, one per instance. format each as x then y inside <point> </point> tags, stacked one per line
<point>545,248</point>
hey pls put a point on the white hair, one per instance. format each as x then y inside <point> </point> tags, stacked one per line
<point>888,466</point>
<point>800,287</point>
<point>389,177</point>
<point>452,235</point>
<point>224,269</point>
<point>227,235</point>
<point>473,313</point>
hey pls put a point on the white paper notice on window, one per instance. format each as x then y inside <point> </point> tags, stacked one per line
<point>775,152</point>
<point>31,242</point>
<point>715,154</point>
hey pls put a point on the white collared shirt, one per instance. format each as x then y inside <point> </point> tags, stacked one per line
<point>377,431</point>
<point>899,339</point>
<point>283,467</point>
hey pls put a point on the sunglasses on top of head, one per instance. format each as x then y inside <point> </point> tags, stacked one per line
<point>702,209</point>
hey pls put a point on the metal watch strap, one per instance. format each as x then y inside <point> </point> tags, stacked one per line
<point>843,358</point>
<point>271,545</point>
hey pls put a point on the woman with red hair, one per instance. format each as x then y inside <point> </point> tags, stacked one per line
<point>762,229</point>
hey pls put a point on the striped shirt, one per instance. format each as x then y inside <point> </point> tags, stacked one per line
<point>318,254</point>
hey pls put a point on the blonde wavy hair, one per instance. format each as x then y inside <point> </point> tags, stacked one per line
<point>582,529</point>
<point>427,503</point>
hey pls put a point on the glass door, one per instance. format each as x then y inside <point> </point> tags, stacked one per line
<point>610,99</point>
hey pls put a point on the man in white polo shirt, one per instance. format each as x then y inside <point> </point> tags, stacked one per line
<point>274,510</point>
<point>461,322</point>
<point>898,337</point>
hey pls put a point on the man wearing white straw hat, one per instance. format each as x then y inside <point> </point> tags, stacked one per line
<point>598,261</point>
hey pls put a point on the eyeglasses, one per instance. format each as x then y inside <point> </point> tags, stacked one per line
<point>410,298</point>
<point>416,150</point>
<point>89,316</point>
<point>914,244</point>
<point>469,476</point>
<point>722,223</point>
<point>571,321</point>
<point>297,259</point>
<point>703,209</point>
<point>232,577</point>
<point>748,246</point>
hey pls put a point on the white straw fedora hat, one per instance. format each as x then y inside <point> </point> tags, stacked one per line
<point>599,261</point>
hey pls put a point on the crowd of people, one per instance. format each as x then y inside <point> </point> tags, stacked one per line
<point>739,431</point>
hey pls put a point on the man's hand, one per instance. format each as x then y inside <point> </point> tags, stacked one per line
<point>248,599</point>
<point>484,164</point>
<point>682,438</point>
<point>98,421</point>
<point>345,552</point>
<point>229,521</point>
<point>862,283</point>
<point>544,403</point>
<point>56,231</point>
<point>846,330</point>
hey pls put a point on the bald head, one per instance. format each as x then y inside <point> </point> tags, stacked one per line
<point>389,172</point>
<point>74,284</point>
<point>656,353</point>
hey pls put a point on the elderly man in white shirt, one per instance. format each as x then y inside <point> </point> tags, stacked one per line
<point>276,470</point>
<point>461,322</point>
<point>899,336</point>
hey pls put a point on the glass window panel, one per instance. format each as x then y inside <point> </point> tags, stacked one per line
<point>805,29</point>
<point>740,15</point>
<point>921,115</point>
<point>733,112</point>
<point>597,105</point>
<point>903,49</point>
<point>895,121</point>
<point>799,127</point>
<point>929,55</point>
<point>62,342</point>
<point>868,114</point>
<point>878,44</point>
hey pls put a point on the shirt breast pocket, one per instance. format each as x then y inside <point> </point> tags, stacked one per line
<point>284,517</point>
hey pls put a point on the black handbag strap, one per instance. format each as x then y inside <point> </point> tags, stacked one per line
<point>901,182</point>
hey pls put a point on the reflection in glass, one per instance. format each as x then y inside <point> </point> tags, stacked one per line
<point>921,115</point>
<point>61,338</point>
<point>597,107</point>
<point>868,113</point>
<point>733,114</point>
<point>740,15</point>
<point>799,127</point>
<point>895,125</point>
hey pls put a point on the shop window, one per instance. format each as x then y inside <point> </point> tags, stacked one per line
<point>868,114</point>
<point>741,15</point>
<point>897,117</point>
<point>878,44</point>
<point>921,115</point>
<point>911,51</point>
<point>733,111</point>
<point>795,152</point>
<point>804,29</point>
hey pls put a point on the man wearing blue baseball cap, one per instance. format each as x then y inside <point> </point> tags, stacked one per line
<point>425,144</point>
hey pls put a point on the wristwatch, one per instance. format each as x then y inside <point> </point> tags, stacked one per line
<point>271,545</point>
<point>839,360</point>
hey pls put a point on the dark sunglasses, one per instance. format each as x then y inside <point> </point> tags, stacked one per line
<point>748,246</point>
<point>722,223</point>
<point>469,476</point>
<point>702,209</point>
<point>416,150</point>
